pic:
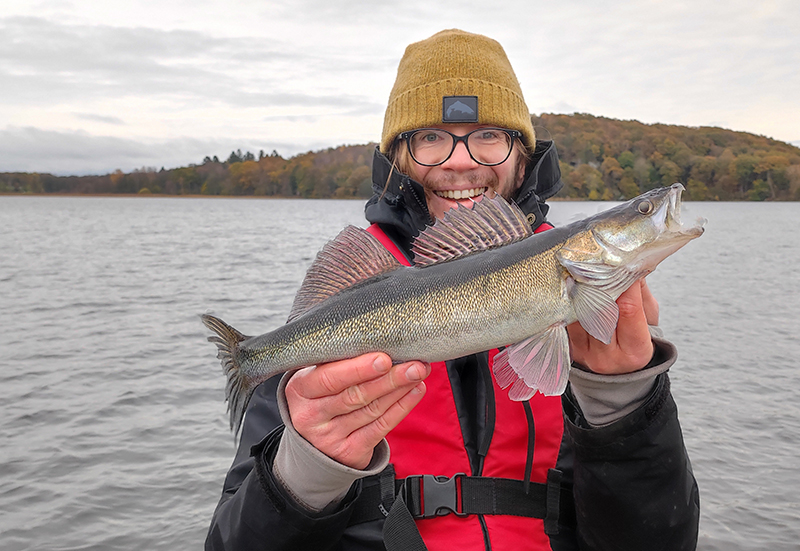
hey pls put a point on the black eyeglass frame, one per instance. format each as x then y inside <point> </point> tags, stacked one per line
<point>511,134</point>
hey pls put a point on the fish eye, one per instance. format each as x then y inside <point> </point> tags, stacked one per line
<point>644,207</point>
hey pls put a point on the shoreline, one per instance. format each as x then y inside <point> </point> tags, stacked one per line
<point>166,196</point>
<point>285,197</point>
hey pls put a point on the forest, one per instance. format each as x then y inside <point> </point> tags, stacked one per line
<point>600,158</point>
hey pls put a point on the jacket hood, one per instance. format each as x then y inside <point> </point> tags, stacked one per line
<point>398,202</point>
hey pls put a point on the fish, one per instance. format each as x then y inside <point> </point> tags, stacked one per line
<point>481,280</point>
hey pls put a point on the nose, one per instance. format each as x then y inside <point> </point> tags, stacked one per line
<point>460,159</point>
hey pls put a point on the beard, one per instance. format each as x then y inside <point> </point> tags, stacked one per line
<point>446,180</point>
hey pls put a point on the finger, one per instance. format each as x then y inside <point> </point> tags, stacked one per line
<point>344,438</point>
<point>371,412</point>
<point>651,308</point>
<point>370,434</point>
<point>578,340</point>
<point>330,379</point>
<point>633,334</point>
<point>365,394</point>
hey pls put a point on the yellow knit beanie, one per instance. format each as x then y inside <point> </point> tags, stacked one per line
<point>451,73</point>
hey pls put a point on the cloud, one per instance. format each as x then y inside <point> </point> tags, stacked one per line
<point>99,118</point>
<point>316,73</point>
<point>42,61</point>
<point>31,149</point>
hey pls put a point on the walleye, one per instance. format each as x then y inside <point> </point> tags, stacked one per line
<point>481,280</point>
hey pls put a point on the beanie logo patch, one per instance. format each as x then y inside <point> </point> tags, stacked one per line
<point>460,109</point>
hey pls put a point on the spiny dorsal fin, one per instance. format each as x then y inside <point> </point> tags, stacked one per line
<point>350,258</point>
<point>490,223</point>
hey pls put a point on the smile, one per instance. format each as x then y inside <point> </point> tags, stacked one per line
<point>461,193</point>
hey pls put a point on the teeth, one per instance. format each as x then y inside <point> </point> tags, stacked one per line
<point>461,193</point>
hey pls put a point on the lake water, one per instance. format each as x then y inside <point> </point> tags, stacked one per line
<point>113,431</point>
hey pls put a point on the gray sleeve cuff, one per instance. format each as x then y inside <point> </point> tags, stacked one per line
<point>313,479</point>
<point>604,399</point>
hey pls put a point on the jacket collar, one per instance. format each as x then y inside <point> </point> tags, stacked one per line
<point>398,203</point>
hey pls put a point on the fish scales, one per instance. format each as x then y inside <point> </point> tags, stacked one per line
<point>521,294</point>
<point>484,292</point>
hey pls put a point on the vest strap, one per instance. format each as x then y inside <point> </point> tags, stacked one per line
<point>400,532</point>
<point>427,496</point>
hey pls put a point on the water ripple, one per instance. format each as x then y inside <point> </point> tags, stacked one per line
<point>112,416</point>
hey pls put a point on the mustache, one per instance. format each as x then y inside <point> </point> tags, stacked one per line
<point>445,180</point>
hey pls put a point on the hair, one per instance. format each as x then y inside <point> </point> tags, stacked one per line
<point>401,158</point>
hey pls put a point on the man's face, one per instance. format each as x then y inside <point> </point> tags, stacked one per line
<point>459,178</point>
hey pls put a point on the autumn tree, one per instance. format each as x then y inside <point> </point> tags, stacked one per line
<point>600,159</point>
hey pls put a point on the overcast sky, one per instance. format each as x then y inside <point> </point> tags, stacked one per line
<point>89,86</point>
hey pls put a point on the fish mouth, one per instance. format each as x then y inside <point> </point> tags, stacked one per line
<point>672,217</point>
<point>653,222</point>
<point>456,194</point>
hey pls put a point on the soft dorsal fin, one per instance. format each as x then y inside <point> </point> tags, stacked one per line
<point>490,223</point>
<point>350,258</point>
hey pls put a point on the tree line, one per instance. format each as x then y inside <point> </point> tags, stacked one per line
<point>609,159</point>
<point>341,172</point>
<point>600,159</point>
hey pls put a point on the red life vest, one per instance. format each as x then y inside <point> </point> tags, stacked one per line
<point>429,441</point>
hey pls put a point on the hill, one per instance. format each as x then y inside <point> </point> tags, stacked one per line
<point>605,158</point>
<point>601,159</point>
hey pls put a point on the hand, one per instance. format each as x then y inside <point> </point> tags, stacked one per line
<point>345,408</point>
<point>631,347</point>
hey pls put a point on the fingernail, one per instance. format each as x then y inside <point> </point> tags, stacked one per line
<point>382,364</point>
<point>416,372</point>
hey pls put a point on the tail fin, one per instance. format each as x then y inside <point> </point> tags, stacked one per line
<point>239,388</point>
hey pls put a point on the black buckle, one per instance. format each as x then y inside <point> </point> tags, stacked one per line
<point>439,496</point>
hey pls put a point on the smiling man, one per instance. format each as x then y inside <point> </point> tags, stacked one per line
<point>486,163</point>
<point>602,467</point>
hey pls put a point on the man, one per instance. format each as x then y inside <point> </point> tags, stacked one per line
<point>603,467</point>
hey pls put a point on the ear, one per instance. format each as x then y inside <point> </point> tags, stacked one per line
<point>522,165</point>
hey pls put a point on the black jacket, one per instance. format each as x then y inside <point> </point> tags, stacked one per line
<point>631,481</point>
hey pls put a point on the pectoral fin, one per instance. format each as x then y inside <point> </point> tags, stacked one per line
<point>540,362</point>
<point>596,311</point>
<point>591,267</point>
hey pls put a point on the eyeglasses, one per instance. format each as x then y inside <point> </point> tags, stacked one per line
<point>486,146</point>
